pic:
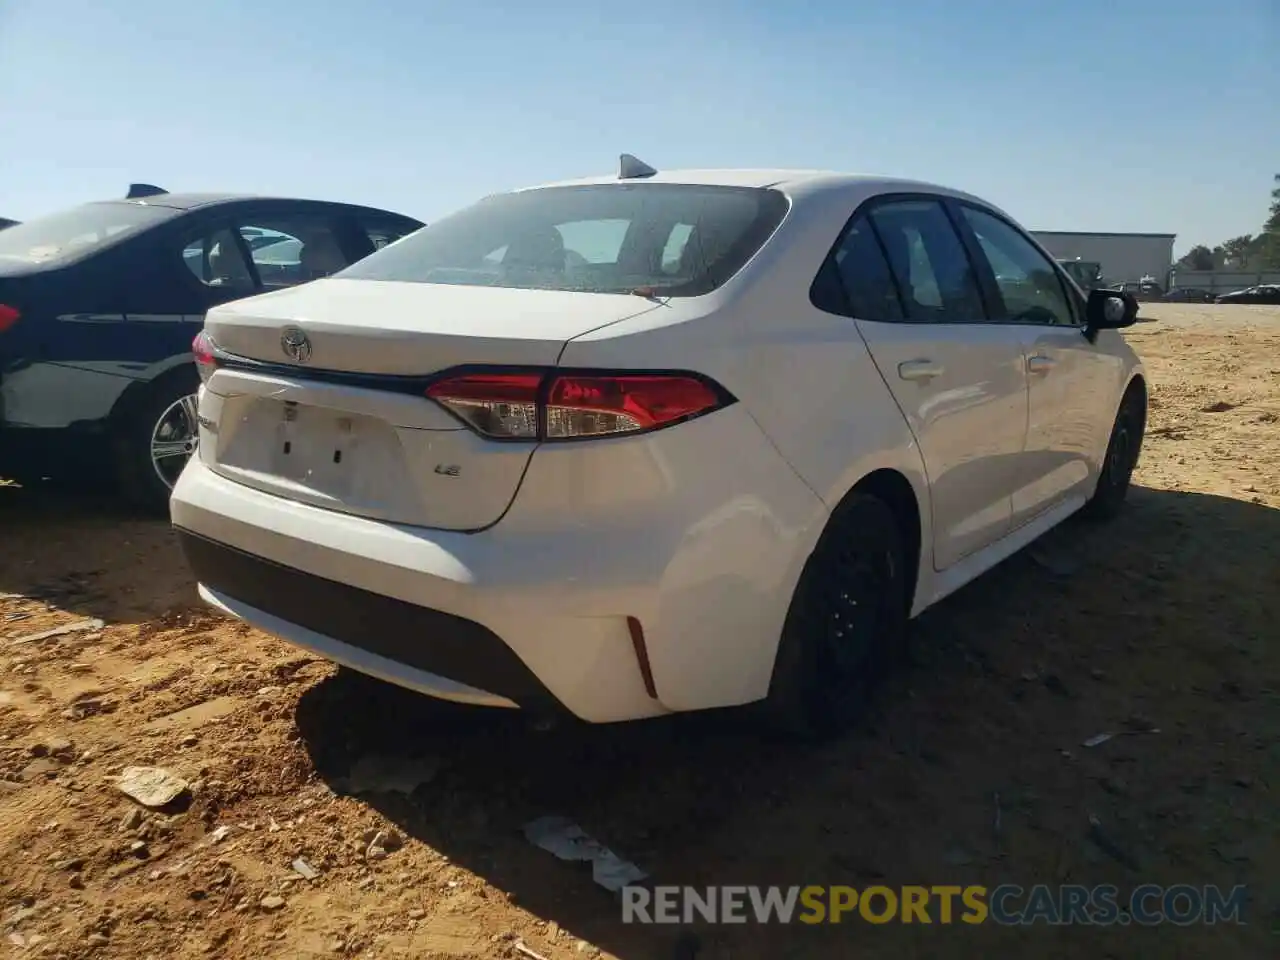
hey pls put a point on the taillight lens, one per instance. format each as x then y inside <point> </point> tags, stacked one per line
<point>8,316</point>
<point>205,354</point>
<point>573,406</point>
<point>592,406</point>
<point>501,405</point>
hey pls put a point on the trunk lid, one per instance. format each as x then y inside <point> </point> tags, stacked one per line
<point>363,444</point>
<point>413,329</point>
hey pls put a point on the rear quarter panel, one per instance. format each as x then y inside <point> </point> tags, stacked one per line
<point>812,419</point>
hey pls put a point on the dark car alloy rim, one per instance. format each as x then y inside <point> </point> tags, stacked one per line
<point>174,439</point>
<point>1120,462</point>
<point>859,594</point>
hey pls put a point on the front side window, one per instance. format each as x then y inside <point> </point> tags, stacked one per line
<point>1029,285</point>
<point>72,233</point>
<point>216,261</point>
<point>934,276</point>
<point>675,239</point>
<point>290,250</point>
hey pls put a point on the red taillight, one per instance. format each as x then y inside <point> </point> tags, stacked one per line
<point>495,404</point>
<point>205,354</point>
<point>8,316</point>
<point>569,406</point>
<point>596,406</point>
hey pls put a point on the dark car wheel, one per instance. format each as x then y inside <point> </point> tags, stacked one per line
<point>847,619</point>
<point>155,440</point>
<point>1123,449</point>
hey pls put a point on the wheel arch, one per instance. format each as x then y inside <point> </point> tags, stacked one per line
<point>136,393</point>
<point>894,490</point>
<point>1137,386</point>
<point>892,487</point>
<point>1138,382</point>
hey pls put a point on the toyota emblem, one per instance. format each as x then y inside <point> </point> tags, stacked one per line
<point>296,344</point>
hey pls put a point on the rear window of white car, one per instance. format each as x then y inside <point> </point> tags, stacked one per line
<point>72,233</point>
<point>672,239</point>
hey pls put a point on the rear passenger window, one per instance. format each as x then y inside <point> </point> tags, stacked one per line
<point>933,273</point>
<point>864,275</point>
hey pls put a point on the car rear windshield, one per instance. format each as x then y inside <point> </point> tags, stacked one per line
<point>72,233</point>
<point>672,239</point>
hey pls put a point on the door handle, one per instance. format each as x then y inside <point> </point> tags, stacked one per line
<point>919,370</point>
<point>1039,364</point>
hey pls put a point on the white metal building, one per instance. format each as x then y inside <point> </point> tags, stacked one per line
<point>1124,256</point>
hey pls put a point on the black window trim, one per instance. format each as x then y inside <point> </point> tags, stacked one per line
<point>983,275</point>
<point>1070,291</point>
<point>888,265</point>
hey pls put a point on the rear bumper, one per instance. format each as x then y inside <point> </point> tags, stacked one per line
<point>699,533</point>
<point>431,651</point>
<point>463,617</point>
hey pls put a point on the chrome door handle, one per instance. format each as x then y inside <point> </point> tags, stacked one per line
<point>919,370</point>
<point>1039,364</point>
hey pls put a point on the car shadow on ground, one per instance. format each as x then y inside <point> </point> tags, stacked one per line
<point>970,766</point>
<point>90,555</point>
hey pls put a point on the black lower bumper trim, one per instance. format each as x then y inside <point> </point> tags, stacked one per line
<point>441,643</point>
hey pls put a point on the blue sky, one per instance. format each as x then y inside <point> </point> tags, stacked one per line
<point>1088,115</point>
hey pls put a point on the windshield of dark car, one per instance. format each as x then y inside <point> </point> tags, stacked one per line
<point>72,233</point>
<point>673,239</point>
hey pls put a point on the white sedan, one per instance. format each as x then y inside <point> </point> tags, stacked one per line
<point>654,442</point>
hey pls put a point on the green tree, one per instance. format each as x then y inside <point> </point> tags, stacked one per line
<point>1269,246</point>
<point>1237,251</point>
<point>1198,257</point>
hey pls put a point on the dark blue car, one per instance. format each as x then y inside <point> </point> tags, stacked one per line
<point>99,305</point>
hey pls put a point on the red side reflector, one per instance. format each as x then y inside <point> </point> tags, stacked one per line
<point>642,656</point>
<point>8,316</point>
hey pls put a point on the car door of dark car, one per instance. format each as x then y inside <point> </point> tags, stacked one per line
<point>164,305</point>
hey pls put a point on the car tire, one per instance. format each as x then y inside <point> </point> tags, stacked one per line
<point>846,624</point>
<point>164,414</point>
<point>1123,449</point>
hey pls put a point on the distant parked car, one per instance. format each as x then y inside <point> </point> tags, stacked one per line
<point>1188,295</point>
<point>1143,290</point>
<point>1264,293</point>
<point>98,305</point>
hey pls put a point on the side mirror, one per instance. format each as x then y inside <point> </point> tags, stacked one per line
<point>1109,310</point>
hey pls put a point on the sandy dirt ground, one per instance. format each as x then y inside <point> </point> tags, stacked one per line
<point>1162,628</point>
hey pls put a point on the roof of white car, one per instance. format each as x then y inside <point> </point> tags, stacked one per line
<point>769,177</point>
